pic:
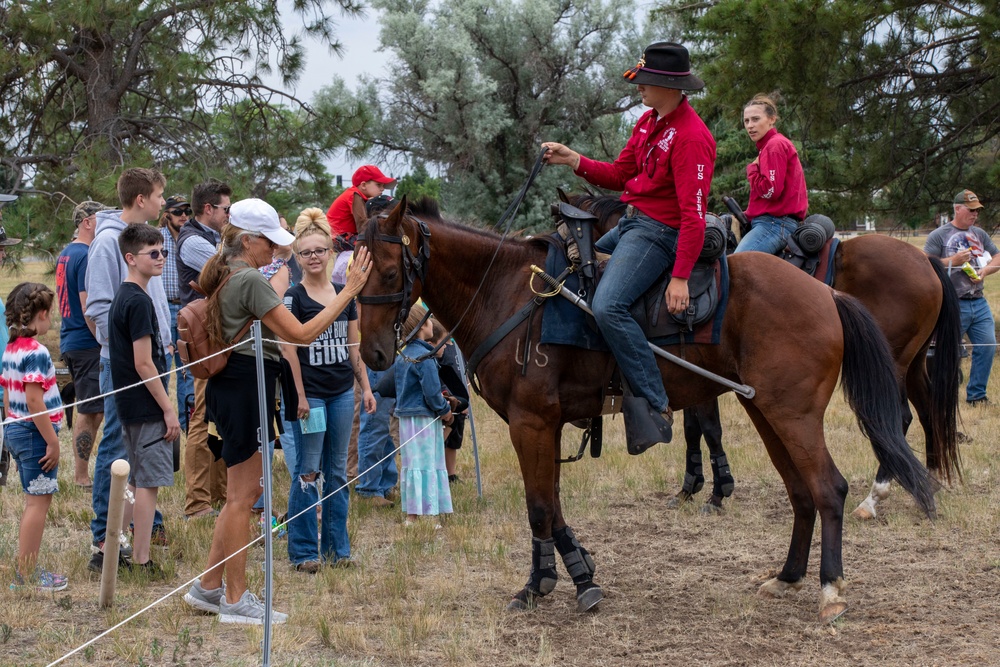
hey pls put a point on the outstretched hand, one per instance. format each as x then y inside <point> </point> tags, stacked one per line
<point>358,275</point>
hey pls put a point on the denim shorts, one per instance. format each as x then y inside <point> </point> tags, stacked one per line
<point>27,446</point>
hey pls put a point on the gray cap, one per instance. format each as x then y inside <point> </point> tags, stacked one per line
<point>5,198</point>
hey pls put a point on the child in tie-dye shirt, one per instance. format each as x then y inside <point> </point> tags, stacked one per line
<point>34,414</point>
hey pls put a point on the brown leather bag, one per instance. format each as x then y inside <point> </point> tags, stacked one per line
<point>193,342</point>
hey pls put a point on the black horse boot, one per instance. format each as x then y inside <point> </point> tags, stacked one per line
<point>644,425</point>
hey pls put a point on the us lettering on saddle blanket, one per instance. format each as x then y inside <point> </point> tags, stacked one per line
<point>835,336</point>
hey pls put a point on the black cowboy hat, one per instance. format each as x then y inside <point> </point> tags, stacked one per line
<point>667,65</point>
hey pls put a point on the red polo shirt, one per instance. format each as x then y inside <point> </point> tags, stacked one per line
<point>665,171</point>
<point>777,184</point>
<point>341,215</point>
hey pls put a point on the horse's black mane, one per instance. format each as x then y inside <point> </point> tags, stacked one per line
<point>603,206</point>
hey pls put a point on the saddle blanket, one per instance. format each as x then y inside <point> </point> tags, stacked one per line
<point>565,324</point>
<point>825,269</point>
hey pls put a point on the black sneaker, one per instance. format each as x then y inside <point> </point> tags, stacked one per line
<point>979,402</point>
<point>96,563</point>
<point>149,569</point>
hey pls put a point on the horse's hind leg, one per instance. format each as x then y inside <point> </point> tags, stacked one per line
<point>813,484</point>
<point>722,477</point>
<point>694,476</point>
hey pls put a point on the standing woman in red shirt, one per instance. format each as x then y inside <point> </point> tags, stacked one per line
<point>664,171</point>
<point>778,200</point>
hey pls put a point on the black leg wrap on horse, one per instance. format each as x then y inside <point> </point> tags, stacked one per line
<point>722,478</point>
<point>577,560</point>
<point>543,567</point>
<point>694,477</point>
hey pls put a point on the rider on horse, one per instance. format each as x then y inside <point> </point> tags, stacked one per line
<point>778,199</point>
<point>664,171</point>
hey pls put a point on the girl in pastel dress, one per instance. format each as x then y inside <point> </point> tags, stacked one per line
<point>424,489</point>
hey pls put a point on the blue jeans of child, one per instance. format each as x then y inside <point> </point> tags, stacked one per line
<point>324,453</point>
<point>185,381</point>
<point>977,322</point>
<point>645,248</point>
<point>109,449</point>
<point>375,443</point>
<point>767,234</point>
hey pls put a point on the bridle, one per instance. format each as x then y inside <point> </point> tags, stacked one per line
<point>414,269</point>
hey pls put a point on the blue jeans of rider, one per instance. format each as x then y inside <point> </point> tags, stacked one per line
<point>767,234</point>
<point>644,250</point>
<point>977,322</point>
<point>374,444</point>
<point>185,381</point>
<point>110,448</point>
<point>324,453</point>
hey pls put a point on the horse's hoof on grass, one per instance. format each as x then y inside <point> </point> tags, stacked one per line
<point>832,612</point>
<point>775,588</point>
<point>678,500</point>
<point>711,508</point>
<point>863,513</point>
<point>588,599</point>
<point>524,600</point>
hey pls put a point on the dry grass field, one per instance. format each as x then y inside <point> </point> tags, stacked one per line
<point>680,585</point>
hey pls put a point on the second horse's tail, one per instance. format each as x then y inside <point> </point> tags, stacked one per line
<point>870,386</point>
<point>943,380</point>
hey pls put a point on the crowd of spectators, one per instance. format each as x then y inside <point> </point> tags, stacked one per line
<point>120,285</point>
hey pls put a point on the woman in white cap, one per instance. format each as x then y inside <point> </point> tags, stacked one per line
<point>248,243</point>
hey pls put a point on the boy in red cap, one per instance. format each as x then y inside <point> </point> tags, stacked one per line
<point>367,182</point>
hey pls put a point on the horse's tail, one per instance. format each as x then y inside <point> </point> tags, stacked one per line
<point>869,381</point>
<point>943,377</point>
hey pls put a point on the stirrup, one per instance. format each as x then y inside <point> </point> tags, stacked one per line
<point>645,426</point>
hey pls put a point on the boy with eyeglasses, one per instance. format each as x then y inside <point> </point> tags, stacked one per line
<point>149,422</point>
<point>141,194</point>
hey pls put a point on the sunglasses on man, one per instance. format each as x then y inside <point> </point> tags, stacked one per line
<point>180,211</point>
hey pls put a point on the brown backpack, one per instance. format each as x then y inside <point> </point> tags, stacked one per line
<point>193,342</point>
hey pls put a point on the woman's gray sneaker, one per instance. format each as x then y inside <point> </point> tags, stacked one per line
<point>248,610</point>
<point>205,600</point>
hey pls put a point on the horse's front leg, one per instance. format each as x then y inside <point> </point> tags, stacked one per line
<point>694,476</point>
<point>537,446</point>
<point>576,558</point>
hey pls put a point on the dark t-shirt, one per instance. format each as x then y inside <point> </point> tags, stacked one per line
<point>326,367</point>
<point>71,272</point>
<point>132,317</point>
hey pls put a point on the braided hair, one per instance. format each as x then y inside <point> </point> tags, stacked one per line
<point>23,303</point>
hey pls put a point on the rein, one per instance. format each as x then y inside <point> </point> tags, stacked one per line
<point>415,267</point>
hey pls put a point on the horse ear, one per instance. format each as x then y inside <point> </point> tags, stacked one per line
<point>563,197</point>
<point>397,213</point>
<point>590,191</point>
<point>358,211</point>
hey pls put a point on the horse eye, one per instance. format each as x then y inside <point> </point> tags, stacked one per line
<point>390,275</point>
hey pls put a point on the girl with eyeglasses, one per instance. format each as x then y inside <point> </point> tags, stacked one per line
<point>324,374</point>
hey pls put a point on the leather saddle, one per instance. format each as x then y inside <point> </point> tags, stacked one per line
<point>577,228</point>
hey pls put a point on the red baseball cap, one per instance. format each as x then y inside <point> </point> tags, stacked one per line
<point>370,172</point>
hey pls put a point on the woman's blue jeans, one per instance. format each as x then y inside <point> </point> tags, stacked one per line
<point>645,248</point>
<point>767,234</point>
<point>324,453</point>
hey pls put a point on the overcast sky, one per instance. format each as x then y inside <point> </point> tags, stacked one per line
<point>361,59</point>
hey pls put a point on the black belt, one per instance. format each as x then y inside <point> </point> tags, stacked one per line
<point>970,297</point>
<point>176,301</point>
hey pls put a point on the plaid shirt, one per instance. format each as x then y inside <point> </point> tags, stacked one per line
<point>170,281</point>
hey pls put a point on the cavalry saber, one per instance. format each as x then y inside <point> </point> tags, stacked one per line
<point>742,389</point>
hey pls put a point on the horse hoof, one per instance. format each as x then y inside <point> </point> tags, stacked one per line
<point>711,508</point>
<point>589,598</point>
<point>775,588</point>
<point>832,612</point>
<point>863,513</point>
<point>524,600</point>
<point>678,500</point>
